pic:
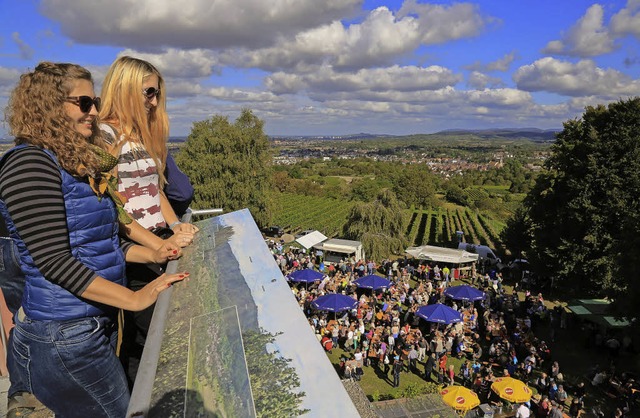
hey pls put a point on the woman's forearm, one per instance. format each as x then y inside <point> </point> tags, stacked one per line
<point>137,233</point>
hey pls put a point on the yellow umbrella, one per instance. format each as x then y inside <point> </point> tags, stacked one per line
<point>512,390</point>
<point>460,398</point>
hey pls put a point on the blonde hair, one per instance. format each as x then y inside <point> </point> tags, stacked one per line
<point>36,116</point>
<point>123,105</point>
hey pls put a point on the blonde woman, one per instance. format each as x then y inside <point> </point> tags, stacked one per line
<point>65,227</point>
<point>135,122</point>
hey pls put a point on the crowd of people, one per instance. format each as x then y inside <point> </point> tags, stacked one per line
<point>499,336</point>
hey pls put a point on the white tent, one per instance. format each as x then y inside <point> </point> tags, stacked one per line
<point>441,254</point>
<point>311,239</point>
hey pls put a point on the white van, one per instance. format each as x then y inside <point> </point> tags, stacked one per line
<point>485,253</point>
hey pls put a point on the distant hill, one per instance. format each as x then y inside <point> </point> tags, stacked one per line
<point>347,137</point>
<point>533,134</point>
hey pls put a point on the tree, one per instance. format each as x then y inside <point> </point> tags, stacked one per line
<point>415,185</point>
<point>583,209</point>
<point>378,225</point>
<point>229,165</point>
<point>514,235</point>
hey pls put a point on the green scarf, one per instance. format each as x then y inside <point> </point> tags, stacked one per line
<point>105,183</point>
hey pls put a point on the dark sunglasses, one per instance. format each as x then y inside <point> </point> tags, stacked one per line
<point>151,92</point>
<point>85,103</point>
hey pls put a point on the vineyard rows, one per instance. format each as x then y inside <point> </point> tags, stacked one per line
<point>436,226</point>
<point>299,212</point>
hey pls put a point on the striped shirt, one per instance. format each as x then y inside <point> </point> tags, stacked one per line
<point>31,187</point>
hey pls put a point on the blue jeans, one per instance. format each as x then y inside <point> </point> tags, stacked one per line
<point>11,276</point>
<point>70,366</point>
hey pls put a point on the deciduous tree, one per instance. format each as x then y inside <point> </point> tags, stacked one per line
<point>583,209</point>
<point>229,165</point>
<point>378,225</point>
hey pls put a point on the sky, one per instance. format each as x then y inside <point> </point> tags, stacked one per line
<point>335,67</point>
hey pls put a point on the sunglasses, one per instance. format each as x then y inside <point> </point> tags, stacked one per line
<point>151,92</point>
<point>85,103</point>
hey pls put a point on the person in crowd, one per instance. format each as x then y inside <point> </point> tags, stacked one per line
<point>413,358</point>
<point>575,409</point>
<point>561,396</point>
<point>63,215</point>
<point>523,411</point>
<point>451,375</point>
<point>397,368</point>
<point>555,411</point>
<point>543,406</point>
<point>429,366</point>
<point>135,123</point>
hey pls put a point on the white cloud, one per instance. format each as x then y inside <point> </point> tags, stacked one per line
<point>378,40</point>
<point>26,52</point>
<point>9,76</point>
<point>478,80</point>
<point>503,63</point>
<point>327,81</point>
<point>245,96</point>
<point>144,24</point>
<point>627,20</point>
<point>504,97</point>
<point>581,79</point>
<point>587,38</point>
<point>444,23</point>
<point>178,63</point>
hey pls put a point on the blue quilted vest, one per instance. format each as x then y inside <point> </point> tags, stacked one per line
<point>93,236</point>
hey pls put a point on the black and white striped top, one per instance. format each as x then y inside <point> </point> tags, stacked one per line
<point>31,187</point>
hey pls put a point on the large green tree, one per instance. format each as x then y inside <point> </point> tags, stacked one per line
<point>582,214</point>
<point>378,225</point>
<point>229,165</point>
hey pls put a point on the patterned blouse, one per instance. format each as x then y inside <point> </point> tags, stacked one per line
<point>138,181</point>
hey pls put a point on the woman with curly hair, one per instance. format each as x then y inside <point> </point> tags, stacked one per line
<point>61,209</point>
<point>134,119</point>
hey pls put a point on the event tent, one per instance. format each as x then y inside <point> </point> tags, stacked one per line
<point>442,254</point>
<point>311,239</point>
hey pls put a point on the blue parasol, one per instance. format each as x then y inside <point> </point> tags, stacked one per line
<point>334,302</point>
<point>305,276</point>
<point>464,292</point>
<point>439,313</point>
<point>372,282</point>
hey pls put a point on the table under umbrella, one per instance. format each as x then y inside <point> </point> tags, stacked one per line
<point>305,276</point>
<point>465,292</point>
<point>374,283</point>
<point>334,302</point>
<point>437,312</point>
<point>512,390</point>
<point>460,398</point>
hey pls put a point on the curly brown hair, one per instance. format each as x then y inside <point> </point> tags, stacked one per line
<point>36,116</point>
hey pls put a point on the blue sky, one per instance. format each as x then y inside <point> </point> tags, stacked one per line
<point>309,67</point>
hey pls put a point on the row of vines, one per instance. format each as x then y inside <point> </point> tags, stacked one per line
<point>439,226</point>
